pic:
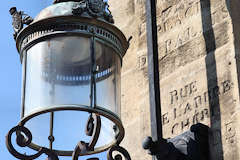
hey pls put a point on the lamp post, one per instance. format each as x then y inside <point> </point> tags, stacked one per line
<point>71,55</point>
<point>191,145</point>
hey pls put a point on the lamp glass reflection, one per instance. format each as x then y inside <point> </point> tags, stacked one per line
<point>58,73</point>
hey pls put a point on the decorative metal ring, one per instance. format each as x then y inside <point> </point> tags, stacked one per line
<point>71,25</point>
<point>23,142</point>
<point>99,111</point>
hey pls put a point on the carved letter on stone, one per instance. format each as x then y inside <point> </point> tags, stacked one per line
<point>193,87</point>
<point>198,101</point>
<point>187,108</point>
<point>142,61</point>
<point>174,96</point>
<point>196,118</point>
<point>183,91</point>
<point>226,86</point>
<point>165,119</point>
<point>230,132</point>
<point>174,128</point>
<point>185,123</point>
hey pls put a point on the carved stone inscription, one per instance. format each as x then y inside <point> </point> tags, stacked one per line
<point>188,106</point>
<point>187,16</point>
<point>175,15</point>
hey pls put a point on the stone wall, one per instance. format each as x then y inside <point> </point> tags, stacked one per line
<point>199,65</point>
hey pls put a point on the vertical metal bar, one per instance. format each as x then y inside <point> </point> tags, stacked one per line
<point>93,72</point>
<point>24,73</point>
<point>153,71</point>
<point>52,75</point>
<point>51,137</point>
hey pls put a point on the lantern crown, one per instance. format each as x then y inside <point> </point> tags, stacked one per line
<point>82,16</point>
<point>85,8</point>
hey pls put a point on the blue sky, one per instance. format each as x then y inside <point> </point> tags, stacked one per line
<point>10,68</point>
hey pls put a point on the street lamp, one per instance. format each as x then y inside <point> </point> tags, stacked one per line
<point>71,55</point>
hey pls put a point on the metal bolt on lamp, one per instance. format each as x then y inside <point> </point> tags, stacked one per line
<point>71,56</point>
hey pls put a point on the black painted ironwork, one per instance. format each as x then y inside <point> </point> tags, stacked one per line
<point>21,132</point>
<point>81,148</point>
<point>93,129</point>
<point>191,145</point>
<point>90,126</point>
<point>94,8</point>
<point>51,137</point>
<point>153,70</point>
<point>93,97</point>
<point>24,139</point>
<point>19,19</point>
<point>97,113</point>
<point>120,150</point>
<point>96,128</point>
<point>60,1</point>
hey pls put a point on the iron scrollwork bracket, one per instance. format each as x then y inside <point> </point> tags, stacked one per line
<point>24,139</point>
<point>93,128</point>
<point>82,147</point>
<point>119,149</point>
<point>24,142</point>
<point>19,19</point>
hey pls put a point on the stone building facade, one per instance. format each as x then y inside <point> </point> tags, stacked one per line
<point>199,71</point>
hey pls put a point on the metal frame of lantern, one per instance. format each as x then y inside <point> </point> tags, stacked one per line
<point>97,26</point>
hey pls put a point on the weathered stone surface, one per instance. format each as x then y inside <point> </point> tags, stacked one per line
<point>135,110</point>
<point>199,64</point>
<point>190,101</point>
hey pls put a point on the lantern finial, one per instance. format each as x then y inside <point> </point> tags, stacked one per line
<point>19,19</point>
<point>59,1</point>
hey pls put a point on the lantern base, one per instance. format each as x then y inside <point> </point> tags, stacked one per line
<point>97,118</point>
<point>81,148</point>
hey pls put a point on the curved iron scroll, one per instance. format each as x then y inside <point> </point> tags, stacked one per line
<point>119,149</point>
<point>93,128</point>
<point>24,142</point>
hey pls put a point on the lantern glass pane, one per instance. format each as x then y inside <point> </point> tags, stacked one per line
<point>58,74</point>
<point>51,77</point>
<point>108,78</point>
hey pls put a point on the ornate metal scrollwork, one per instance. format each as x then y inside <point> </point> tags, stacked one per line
<point>59,1</point>
<point>97,8</point>
<point>19,19</point>
<point>24,142</point>
<point>90,126</point>
<point>94,8</point>
<point>119,149</point>
<point>79,8</point>
<point>93,128</point>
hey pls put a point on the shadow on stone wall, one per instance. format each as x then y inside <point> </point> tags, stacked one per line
<point>233,9</point>
<point>215,138</point>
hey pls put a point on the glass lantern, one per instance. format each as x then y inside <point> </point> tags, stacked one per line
<point>71,56</point>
